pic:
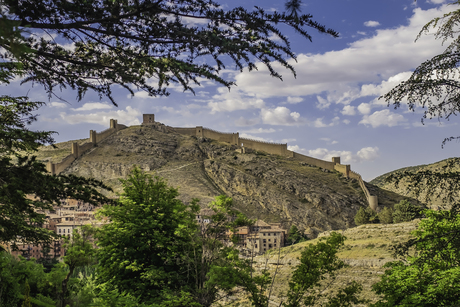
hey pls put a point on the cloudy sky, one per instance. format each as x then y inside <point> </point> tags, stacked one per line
<point>330,109</point>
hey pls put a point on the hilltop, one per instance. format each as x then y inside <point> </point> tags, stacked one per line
<point>403,186</point>
<point>265,186</point>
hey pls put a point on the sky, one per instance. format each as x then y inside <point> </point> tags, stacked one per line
<point>330,109</point>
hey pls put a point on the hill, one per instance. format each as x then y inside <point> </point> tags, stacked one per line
<point>264,186</point>
<point>405,188</point>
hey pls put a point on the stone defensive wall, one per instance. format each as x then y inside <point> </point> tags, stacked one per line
<point>78,150</point>
<point>371,199</point>
<point>273,148</point>
<point>277,149</point>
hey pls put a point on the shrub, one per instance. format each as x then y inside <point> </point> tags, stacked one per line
<point>405,212</point>
<point>365,216</point>
<point>386,215</point>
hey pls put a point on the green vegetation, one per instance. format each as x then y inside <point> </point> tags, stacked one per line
<point>430,272</point>
<point>404,211</point>
<point>365,216</point>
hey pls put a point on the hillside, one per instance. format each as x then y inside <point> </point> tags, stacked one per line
<point>403,187</point>
<point>367,248</point>
<point>263,186</point>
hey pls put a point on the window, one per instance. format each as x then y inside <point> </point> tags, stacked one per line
<point>265,245</point>
<point>275,245</point>
<point>59,230</point>
<point>269,246</point>
<point>274,240</point>
<point>256,245</point>
<point>269,240</point>
<point>269,233</point>
<point>264,234</point>
<point>265,241</point>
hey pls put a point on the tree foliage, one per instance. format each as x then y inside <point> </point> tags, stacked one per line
<point>295,236</point>
<point>26,189</point>
<point>434,84</point>
<point>386,215</point>
<point>365,215</point>
<point>104,43</point>
<point>429,274</point>
<point>405,211</point>
<point>144,248</point>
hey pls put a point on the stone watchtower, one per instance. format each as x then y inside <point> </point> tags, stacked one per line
<point>148,119</point>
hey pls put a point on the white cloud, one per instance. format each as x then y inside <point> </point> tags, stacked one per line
<point>322,103</point>
<point>364,108</point>
<point>340,73</point>
<point>348,110</point>
<point>227,101</point>
<point>368,153</point>
<point>294,100</point>
<point>372,23</point>
<point>437,1</point>
<point>58,105</point>
<point>318,123</point>
<point>346,121</point>
<point>281,116</point>
<point>252,137</point>
<point>383,118</point>
<point>93,106</point>
<point>127,117</point>
<point>346,157</point>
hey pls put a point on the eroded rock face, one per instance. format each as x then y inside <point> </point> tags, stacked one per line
<point>263,186</point>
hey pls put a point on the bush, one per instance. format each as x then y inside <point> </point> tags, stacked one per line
<point>405,212</point>
<point>386,215</point>
<point>365,216</point>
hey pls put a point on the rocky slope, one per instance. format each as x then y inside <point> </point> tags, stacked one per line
<point>263,186</point>
<point>404,186</point>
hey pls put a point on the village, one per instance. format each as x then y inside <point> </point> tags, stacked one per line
<point>72,214</point>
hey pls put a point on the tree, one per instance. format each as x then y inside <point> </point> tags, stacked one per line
<point>434,84</point>
<point>79,252</point>
<point>129,43</point>
<point>295,236</point>
<point>365,216</point>
<point>316,263</point>
<point>143,250</point>
<point>386,215</point>
<point>429,274</point>
<point>404,211</point>
<point>26,189</point>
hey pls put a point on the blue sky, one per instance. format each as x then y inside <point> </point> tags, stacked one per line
<point>330,109</point>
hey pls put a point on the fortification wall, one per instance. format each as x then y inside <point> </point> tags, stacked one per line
<point>84,147</point>
<point>343,168</point>
<point>371,199</point>
<point>78,150</point>
<point>231,138</point>
<point>272,148</point>
<point>59,167</point>
<point>186,131</point>
<point>313,161</point>
<point>104,134</point>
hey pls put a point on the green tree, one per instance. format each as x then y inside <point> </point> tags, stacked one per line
<point>365,216</point>
<point>26,189</point>
<point>295,236</point>
<point>130,43</point>
<point>429,274</point>
<point>79,252</point>
<point>404,211</point>
<point>143,251</point>
<point>386,215</point>
<point>214,245</point>
<point>318,262</point>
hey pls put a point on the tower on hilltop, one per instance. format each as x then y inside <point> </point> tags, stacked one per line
<point>148,119</point>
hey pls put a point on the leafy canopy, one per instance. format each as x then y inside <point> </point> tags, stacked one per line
<point>93,45</point>
<point>430,272</point>
<point>26,189</point>
<point>434,84</point>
